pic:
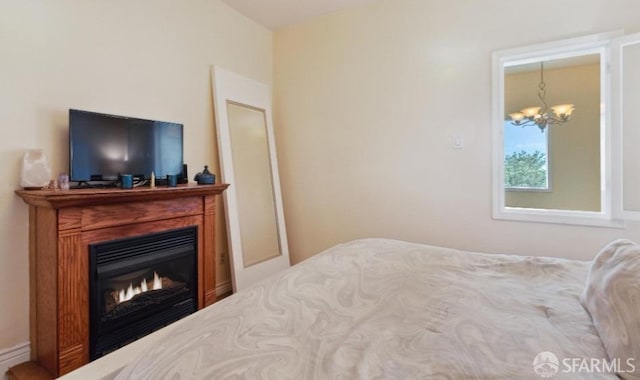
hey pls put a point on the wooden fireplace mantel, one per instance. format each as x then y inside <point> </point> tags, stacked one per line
<point>62,224</point>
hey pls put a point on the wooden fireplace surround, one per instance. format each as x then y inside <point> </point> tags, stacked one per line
<point>62,224</point>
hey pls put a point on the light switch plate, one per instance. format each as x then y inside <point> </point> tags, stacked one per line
<point>458,142</point>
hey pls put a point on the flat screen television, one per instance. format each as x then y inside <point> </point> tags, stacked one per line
<point>102,147</point>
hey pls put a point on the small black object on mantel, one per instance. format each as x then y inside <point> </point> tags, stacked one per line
<point>205,177</point>
<point>184,178</point>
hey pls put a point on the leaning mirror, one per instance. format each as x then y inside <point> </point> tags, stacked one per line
<point>550,132</point>
<point>254,214</point>
<point>253,182</point>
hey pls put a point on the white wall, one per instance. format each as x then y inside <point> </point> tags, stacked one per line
<point>367,102</point>
<point>145,58</point>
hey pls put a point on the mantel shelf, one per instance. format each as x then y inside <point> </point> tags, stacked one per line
<point>87,197</point>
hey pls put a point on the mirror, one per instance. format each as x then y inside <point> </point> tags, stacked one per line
<point>254,189</point>
<point>253,203</point>
<point>551,133</point>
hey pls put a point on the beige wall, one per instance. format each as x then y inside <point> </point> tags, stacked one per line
<point>145,58</point>
<point>574,147</point>
<point>367,102</point>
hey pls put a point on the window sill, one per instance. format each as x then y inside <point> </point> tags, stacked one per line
<point>575,218</point>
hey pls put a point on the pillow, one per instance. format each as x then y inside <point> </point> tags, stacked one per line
<point>612,297</point>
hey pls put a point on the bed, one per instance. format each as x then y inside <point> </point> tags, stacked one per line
<point>387,309</point>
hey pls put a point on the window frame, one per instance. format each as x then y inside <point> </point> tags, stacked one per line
<point>592,44</point>
<point>617,63</point>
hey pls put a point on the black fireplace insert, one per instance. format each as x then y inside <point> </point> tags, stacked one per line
<point>140,284</point>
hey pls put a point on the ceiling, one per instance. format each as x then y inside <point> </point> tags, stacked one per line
<point>276,14</point>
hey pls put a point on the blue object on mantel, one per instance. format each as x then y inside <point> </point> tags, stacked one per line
<point>205,177</point>
<point>126,181</point>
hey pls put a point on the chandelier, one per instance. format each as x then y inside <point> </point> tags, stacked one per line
<point>540,116</point>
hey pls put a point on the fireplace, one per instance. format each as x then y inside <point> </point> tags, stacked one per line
<point>62,226</point>
<point>140,284</point>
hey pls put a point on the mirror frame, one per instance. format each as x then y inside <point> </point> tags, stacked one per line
<point>592,44</point>
<point>231,87</point>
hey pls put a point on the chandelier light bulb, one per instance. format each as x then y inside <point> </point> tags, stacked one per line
<point>516,116</point>
<point>531,111</point>
<point>563,110</point>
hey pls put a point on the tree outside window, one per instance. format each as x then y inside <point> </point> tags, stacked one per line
<point>525,158</point>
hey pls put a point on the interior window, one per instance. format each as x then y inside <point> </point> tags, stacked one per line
<point>552,138</point>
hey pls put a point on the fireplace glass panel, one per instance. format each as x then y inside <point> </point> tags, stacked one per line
<point>139,285</point>
<point>150,287</point>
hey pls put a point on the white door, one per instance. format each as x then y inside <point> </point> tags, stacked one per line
<point>255,218</point>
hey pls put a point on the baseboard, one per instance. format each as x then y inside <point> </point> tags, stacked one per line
<point>223,290</point>
<point>15,355</point>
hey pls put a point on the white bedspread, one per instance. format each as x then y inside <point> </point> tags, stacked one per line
<point>387,309</point>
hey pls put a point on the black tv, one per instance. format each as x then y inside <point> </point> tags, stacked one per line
<point>102,147</point>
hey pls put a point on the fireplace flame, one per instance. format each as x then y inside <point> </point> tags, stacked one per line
<point>131,291</point>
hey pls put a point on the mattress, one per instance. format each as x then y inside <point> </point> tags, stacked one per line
<point>387,309</point>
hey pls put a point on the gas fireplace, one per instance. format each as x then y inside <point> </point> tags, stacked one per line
<point>140,284</point>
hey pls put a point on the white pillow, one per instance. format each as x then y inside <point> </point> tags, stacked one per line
<point>612,297</point>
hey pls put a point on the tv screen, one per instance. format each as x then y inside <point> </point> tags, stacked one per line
<point>102,147</point>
